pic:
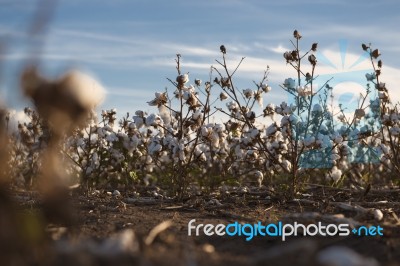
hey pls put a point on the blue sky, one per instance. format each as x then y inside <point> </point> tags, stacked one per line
<point>130,45</point>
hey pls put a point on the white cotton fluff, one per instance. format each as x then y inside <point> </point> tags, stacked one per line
<point>287,165</point>
<point>197,114</point>
<point>86,89</point>
<point>164,114</point>
<point>317,108</point>
<point>271,129</point>
<point>275,145</point>
<point>309,140</point>
<point>215,140</point>
<point>219,128</point>
<point>395,130</point>
<point>254,133</point>
<point>139,122</point>
<point>285,121</point>
<point>111,137</point>
<point>338,139</point>
<point>206,131</point>
<point>260,177</point>
<point>289,83</point>
<point>153,120</point>
<point>335,174</point>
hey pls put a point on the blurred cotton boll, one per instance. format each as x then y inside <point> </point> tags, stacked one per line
<point>65,102</point>
<point>89,92</point>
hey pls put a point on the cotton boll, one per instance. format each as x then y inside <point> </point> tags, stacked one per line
<point>181,155</point>
<point>65,102</point>
<point>205,131</point>
<point>111,137</point>
<point>164,114</point>
<point>287,165</point>
<point>232,106</point>
<point>219,128</point>
<point>154,148</point>
<point>89,92</point>
<point>254,133</point>
<point>271,129</point>
<point>279,158</point>
<point>280,137</point>
<point>251,154</point>
<point>139,121</point>
<point>288,110</point>
<point>248,93</point>
<point>289,83</point>
<point>343,165</point>
<point>182,79</point>
<point>246,141</point>
<point>383,95</point>
<point>197,114</point>
<point>89,170</point>
<point>324,141</point>
<point>323,129</point>
<point>335,174</point>
<point>215,140</point>
<point>385,149</point>
<point>309,140</point>
<point>335,156</point>
<point>202,157</point>
<point>370,77</point>
<point>317,108</point>
<point>285,121</point>
<point>260,177</point>
<point>153,120</point>
<point>359,113</point>
<point>187,95</point>
<point>395,130</point>
<point>149,160</point>
<point>394,117</point>
<point>238,152</point>
<point>275,145</point>
<point>338,139</point>
<point>283,147</point>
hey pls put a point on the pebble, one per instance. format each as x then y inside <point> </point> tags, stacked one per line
<point>116,193</point>
<point>343,256</point>
<point>378,215</point>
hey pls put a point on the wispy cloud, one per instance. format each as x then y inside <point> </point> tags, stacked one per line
<point>131,45</point>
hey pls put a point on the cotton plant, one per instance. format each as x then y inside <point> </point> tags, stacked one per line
<point>27,144</point>
<point>182,144</point>
<point>386,144</point>
<point>322,140</point>
<point>299,138</point>
<point>107,154</point>
<point>248,151</point>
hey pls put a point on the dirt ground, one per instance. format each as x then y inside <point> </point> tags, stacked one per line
<point>112,228</point>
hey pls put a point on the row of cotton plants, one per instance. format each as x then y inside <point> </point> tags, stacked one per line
<point>290,144</point>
